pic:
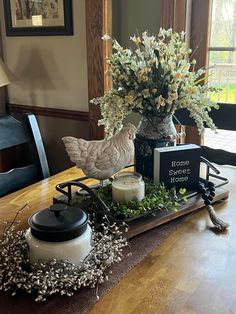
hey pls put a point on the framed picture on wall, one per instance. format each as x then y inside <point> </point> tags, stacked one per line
<point>38,17</point>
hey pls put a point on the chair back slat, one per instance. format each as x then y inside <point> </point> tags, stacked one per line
<point>38,145</point>
<point>218,156</point>
<point>33,166</point>
<point>17,178</point>
<point>12,132</point>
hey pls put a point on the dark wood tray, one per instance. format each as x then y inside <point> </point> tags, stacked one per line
<point>157,218</point>
<point>161,217</point>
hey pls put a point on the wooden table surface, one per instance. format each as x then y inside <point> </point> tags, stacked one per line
<point>39,196</point>
<point>192,271</point>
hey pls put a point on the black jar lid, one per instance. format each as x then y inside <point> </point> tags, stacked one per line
<point>58,223</point>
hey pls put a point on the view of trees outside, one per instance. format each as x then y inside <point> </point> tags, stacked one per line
<point>222,51</point>
<point>25,9</point>
<point>222,63</point>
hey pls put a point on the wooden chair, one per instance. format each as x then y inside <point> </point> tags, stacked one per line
<point>25,138</point>
<point>224,118</point>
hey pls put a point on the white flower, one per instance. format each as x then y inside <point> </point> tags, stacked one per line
<point>129,98</point>
<point>178,76</point>
<point>146,93</point>
<point>106,37</point>
<point>160,101</point>
<point>182,35</point>
<point>135,39</point>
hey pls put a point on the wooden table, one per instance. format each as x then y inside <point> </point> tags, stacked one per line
<point>192,271</point>
<point>39,196</point>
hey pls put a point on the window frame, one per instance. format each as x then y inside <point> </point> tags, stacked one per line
<point>199,15</point>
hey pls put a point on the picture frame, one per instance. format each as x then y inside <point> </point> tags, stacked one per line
<point>38,18</point>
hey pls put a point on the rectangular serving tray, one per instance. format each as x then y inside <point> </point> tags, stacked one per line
<point>194,203</point>
<point>157,218</point>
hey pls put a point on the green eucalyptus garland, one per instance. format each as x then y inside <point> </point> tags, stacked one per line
<point>157,198</point>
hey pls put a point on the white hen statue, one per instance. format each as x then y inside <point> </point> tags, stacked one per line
<point>101,159</point>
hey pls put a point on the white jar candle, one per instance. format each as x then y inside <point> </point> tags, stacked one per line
<point>59,232</point>
<point>127,186</point>
<point>75,250</point>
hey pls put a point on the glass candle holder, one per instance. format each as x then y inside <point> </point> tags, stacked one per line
<point>127,186</point>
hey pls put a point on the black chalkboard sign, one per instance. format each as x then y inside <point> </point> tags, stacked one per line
<point>177,166</point>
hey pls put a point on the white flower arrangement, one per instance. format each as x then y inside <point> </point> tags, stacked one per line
<point>156,78</point>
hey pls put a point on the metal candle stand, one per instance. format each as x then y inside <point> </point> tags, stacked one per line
<point>60,188</point>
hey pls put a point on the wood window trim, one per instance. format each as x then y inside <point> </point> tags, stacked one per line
<point>200,31</point>
<point>174,15</point>
<point>98,23</point>
<point>199,42</point>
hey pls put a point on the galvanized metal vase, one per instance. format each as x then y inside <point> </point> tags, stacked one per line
<point>153,132</point>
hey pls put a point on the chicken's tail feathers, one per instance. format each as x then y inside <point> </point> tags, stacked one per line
<point>76,149</point>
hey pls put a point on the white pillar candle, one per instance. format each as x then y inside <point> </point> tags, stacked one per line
<point>127,186</point>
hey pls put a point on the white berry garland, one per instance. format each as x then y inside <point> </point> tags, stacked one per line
<point>54,276</point>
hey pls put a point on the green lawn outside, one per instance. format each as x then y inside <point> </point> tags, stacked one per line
<point>222,94</point>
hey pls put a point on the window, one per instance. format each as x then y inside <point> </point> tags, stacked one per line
<point>222,66</point>
<point>222,50</point>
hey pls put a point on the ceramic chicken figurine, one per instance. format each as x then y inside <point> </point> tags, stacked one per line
<point>101,159</point>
